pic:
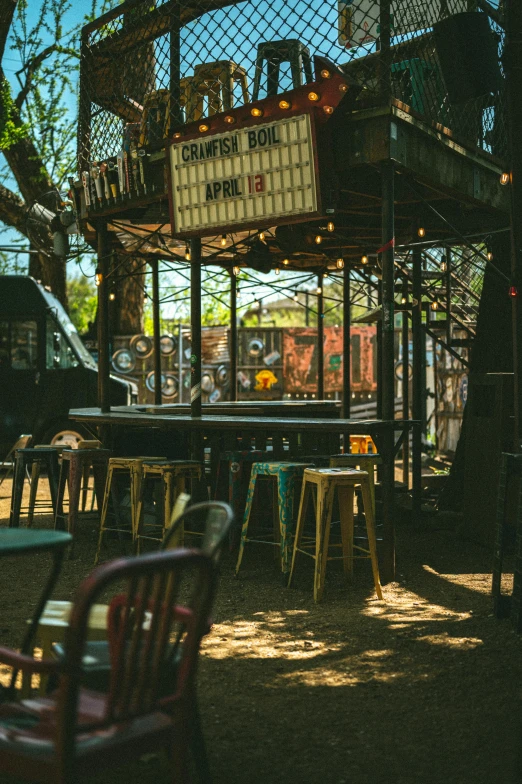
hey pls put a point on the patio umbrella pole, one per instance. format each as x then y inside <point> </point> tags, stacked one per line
<point>156,327</point>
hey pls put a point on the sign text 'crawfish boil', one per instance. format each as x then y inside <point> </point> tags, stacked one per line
<point>243,177</point>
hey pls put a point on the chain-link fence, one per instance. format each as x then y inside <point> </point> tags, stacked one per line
<point>147,68</point>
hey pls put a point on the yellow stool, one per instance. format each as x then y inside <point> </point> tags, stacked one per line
<point>53,624</point>
<point>362,461</point>
<point>324,482</point>
<point>216,82</point>
<point>121,466</point>
<point>173,476</point>
<point>362,445</point>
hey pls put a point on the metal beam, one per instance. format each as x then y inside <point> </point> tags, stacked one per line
<point>102,273</point>
<point>320,337</point>
<point>418,340</point>
<point>195,327</point>
<point>233,337</point>
<point>156,331</point>
<point>347,323</point>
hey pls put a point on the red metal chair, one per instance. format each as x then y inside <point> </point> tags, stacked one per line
<point>76,730</point>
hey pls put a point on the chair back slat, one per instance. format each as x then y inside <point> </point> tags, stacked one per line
<point>216,518</point>
<point>141,622</point>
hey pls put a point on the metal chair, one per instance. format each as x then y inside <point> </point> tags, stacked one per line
<point>215,81</point>
<point>9,460</point>
<point>276,52</point>
<point>34,458</point>
<point>59,737</point>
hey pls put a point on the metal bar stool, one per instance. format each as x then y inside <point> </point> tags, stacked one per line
<point>325,481</point>
<point>75,468</point>
<point>276,52</point>
<point>237,465</point>
<point>284,476</point>
<point>362,445</point>
<point>215,81</point>
<point>362,461</point>
<point>122,467</point>
<point>34,458</point>
<point>173,477</point>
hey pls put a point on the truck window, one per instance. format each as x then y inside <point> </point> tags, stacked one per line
<point>58,352</point>
<point>18,344</point>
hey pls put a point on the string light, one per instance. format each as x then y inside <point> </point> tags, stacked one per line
<point>277,270</point>
<point>421,231</point>
<point>330,226</point>
<point>364,259</point>
<point>296,298</point>
<point>403,300</point>
<point>223,240</point>
<point>98,277</point>
<point>318,239</point>
<point>443,266</point>
<point>340,263</point>
<point>286,262</point>
<point>504,178</point>
<point>235,270</point>
<point>261,235</point>
<point>112,296</point>
<point>434,305</point>
<point>187,252</point>
<point>319,290</point>
<point>489,255</point>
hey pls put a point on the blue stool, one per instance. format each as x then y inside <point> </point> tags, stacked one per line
<point>285,475</point>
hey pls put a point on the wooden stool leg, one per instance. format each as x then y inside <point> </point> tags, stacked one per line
<point>99,473</point>
<point>86,472</point>
<point>75,481</point>
<point>301,517</point>
<point>59,518</point>
<point>276,522</point>
<point>325,497</point>
<point>246,518</point>
<point>370,528</point>
<point>17,492</point>
<point>345,495</point>
<point>35,475</point>
<point>103,516</point>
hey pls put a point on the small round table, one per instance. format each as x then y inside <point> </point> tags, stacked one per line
<point>15,541</point>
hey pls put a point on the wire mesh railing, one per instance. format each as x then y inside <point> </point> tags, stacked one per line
<point>147,68</point>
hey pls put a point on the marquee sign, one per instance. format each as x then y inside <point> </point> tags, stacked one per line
<point>244,178</point>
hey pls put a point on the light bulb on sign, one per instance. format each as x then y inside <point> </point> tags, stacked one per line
<point>314,96</point>
<point>256,112</point>
<point>325,74</point>
<point>328,109</point>
<point>203,128</point>
<point>285,105</point>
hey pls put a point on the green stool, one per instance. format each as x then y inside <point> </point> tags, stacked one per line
<point>285,475</point>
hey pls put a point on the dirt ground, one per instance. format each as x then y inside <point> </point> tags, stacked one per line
<point>424,686</point>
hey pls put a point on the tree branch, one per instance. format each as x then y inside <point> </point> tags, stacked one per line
<point>12,209</point>
<point>7,11</point>
<point>30,68</point>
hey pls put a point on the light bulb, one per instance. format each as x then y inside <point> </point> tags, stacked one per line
<point>177,135</point>
<point>339,263</point>
<point>443,266</point>
<point>204,127</point>
<point>489,256</point>
<point>421,231</point>
<point>330,226</point>
<point>314,96</point>
<point>318,239</point>
<point>343,88</point>
<point>256,112</point>
<point>296,298</point>
<point>285,105</point>
<point>319,290</point>
<point>235,270</point>
<point>434,305</point>
<point>98,277</point>
<point>403,300</point>
<point>112,296</point>
<point>325,73</point>
<point>229,119</point>
<point>223,240</point>
<point>261,235</point>
<point>187,252</point>
<point>286,262</point>
<point>364,259</point>
<point>328,109</point>
<point>277,270</point>
<point>504,178</point>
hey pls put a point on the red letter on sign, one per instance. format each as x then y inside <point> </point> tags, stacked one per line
<point>259,183</point>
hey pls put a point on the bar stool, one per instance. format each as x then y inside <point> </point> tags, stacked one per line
<point>74,470</point>
<point>362,461</point>
<point>34,458</point>
<point>172,476</point>
<point>237,464</point>
<point>362,445</point>
<point>276,52</point>
<point>285,475</point>
<point>119,467</point>
<point>324,482</point>
<point>216,82</point>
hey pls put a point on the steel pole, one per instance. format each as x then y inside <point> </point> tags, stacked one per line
<point>405,384</point>
<point>320,338</point>
<point>347,360</point>
<point>418,341</point>
<point>195,327</point>
<point>156,331</point>
<point>233,337</point>
<point>103,316</point>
